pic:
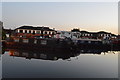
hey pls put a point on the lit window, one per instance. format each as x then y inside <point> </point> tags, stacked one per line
<point>49,32</point>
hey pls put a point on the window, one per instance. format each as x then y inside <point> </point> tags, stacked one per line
<point>29,31</point>
<point>45,32</point>
<point>33,32</point>
<point>52,33</point>
<point>43,42</point>
<point>43,56</point>
<point>25,40</point>
<point>16,40</point>
<point>25,31</point>
<point>49,32</point>
<point>38,32</point>
<point>96,42</point>
<point>35,41</point>
<point>41,32</point>
<point>89,42</point>
<point>21,31</point>
<point>82,41</point>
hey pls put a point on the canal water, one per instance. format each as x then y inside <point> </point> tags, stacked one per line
<point>37,64</point>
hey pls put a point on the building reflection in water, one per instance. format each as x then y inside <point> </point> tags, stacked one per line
<point>47,55</point>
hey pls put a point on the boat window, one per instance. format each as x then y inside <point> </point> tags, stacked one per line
<point>43,56</point>
<point>25,41</point>
<point>96,42</point>
<point>82,41</point>
<point>43,42</point>
<point>16,40</point>
<point>86,41</point>
<point>16,53</point>
<point>89,41</point>
<point>35,41</point>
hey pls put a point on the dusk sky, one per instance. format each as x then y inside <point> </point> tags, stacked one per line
<point>91,16</point>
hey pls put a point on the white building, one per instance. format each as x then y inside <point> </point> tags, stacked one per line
<point>67,34</point>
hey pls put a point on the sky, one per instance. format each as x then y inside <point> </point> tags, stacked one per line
<point>90,16</point>
<point>60,0</point>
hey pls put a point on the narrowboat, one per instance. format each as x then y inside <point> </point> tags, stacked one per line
<point>92,44</point>
<point>51,44</point>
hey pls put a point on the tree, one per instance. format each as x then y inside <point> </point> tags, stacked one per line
<point>3,34</point>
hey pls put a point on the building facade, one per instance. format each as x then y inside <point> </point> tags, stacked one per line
<point>86,35</point>
<point>31,32</point>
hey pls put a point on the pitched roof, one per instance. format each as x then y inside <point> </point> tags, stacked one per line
<point>36,28</point>
<point>84,31</point>
<point>104,32</point>
<point>8,31</point>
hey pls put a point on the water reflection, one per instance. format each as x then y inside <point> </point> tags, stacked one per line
<point>55,64</point>
<point>48,55</point>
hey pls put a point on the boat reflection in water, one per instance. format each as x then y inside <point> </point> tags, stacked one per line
<point>85,63</point>
<point>47,55</point>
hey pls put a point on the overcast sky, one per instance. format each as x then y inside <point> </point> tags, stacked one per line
<point>91,16</point>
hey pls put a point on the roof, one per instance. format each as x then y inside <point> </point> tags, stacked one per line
<point>104,32</point>
<point>100,32</point>
<point>84,32</point>
<point>36,28</point>
<point>8,31</point>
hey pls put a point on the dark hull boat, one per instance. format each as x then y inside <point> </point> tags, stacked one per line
<point>40,44</point>
<point>58,45</point>
<point>96,44</point>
